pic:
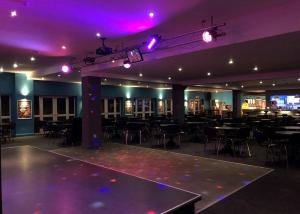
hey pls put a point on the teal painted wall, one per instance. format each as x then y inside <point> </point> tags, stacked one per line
<point>225,96</point>
<point>23,90</point>
<point>12,84</point>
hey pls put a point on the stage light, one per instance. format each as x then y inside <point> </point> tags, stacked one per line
<point>169,78</point>
<point>1,69</point>
<point>63,47</point>
<point>140,75</point>
<point>152,42</point>
<point>151,14</point>
<point>15,65</point>
<point>32,59</point>
<point>255,68</point>
<point>230,62</point>
<point>126,64</point>
<point>207,36</point>
<point>273,84</point>
<point>65,68</point>
<point>98,35</point>
<point>13,13</point>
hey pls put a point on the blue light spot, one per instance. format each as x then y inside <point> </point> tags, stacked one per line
<point>162,186</point>
<point>104,190</point>
<point>246,182</point>
<point>220,198</point>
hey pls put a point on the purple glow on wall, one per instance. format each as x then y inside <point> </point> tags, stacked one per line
<point>152,43</point>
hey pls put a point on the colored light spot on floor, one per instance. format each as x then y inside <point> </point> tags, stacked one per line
<point>220,198</point>
<point>162,186</point>
<point>104,190</point>
<point>113,180</point>
<point>151,212</point>
<point>97,204</point>
<point>246,182</point>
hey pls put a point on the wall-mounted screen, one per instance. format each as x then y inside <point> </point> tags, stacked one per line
<point>286,102</point>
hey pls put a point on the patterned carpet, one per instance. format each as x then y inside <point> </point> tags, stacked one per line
<point>213,179</point>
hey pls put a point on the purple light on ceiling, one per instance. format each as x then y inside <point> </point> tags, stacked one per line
<point>152,43</point>
<point>207,37</point>
<point>65,68</point>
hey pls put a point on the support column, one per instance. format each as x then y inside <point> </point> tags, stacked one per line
<point>178,103</point>
<point>236,104</point>
<point>91,112</point>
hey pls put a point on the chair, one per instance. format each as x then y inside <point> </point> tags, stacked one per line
<point>134,129</point>
<point>169,132</point>
<point>210,135</point>
<point>241,139</point>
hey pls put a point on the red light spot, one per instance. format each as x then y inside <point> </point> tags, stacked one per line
<point>113,180</point>
<point>151,212</point>
<point>219,187</point>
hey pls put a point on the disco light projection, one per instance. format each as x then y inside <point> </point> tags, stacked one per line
<point>97,204</point>
<point>104,190</point>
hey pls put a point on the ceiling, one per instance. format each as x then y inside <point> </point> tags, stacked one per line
<point>263,33</point>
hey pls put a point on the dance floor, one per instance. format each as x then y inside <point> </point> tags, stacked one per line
<point>37,181</point>
<point>213,179</point>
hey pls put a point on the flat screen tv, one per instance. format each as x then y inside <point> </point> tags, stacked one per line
<point>286,102</point>
<point>134,56</point>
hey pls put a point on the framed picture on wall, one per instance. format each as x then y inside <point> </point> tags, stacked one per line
<point>24,109</point>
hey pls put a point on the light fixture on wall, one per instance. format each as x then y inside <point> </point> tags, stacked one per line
<point>65,68</point>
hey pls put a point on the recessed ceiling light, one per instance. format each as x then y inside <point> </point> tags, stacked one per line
<point>255,68</point>
<point>58,75</point>
<point>208,74</point>
<point>273,84</point>
<point>63,47</point>
<point>98,35</point>
<point>13,13</point>
<point>15,65</point>
<point>260,82</point>
<point>169,78</point>
<point>242,86</point>
<point>230,62</point>
<point>151,14</point>
<point>140,75</point>
<point>180,69</point>
<point>32,59</point>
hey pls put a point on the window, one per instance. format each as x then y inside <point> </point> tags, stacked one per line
<point>61,105</point>
<point>111,106</point>
<point>36,106</point>
<point>53,109</point>
<point>4,109</point>
<point>71,105</point>
<point>5,106</point>
<point>47,106</point>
